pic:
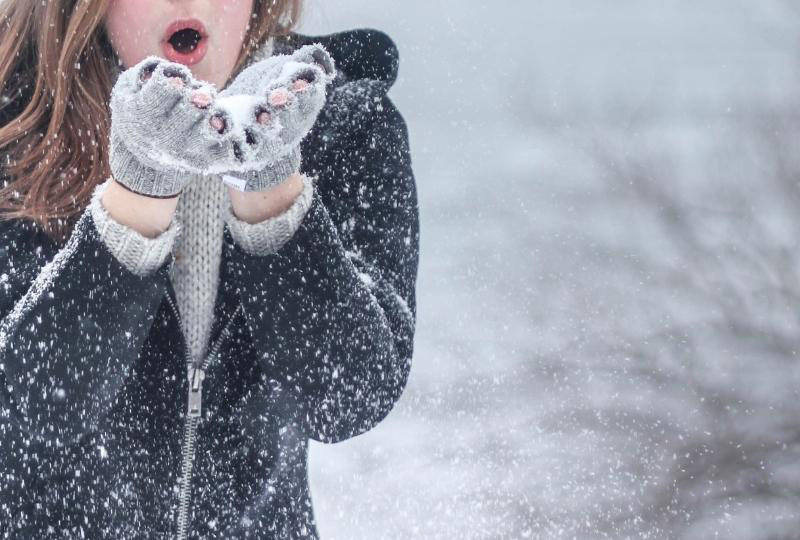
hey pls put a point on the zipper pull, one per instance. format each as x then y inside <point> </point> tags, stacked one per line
<point>196,376</point>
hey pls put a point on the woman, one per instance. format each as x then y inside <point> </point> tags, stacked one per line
<point>167,352</point>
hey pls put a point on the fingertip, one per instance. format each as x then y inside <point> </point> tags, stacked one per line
<point>201,99</point>
<point>279,97</point>
<point>217,122</point>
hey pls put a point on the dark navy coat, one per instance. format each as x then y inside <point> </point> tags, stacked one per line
<point>93,385</point>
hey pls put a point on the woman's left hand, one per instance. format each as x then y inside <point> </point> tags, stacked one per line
<point>265,113</point>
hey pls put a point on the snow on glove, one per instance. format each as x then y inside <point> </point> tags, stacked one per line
<point>266,111</point>
<point>160,128</point>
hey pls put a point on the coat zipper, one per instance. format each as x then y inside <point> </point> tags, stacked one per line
<point>196,373</point>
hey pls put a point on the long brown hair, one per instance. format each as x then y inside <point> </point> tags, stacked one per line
<point>54,116</point>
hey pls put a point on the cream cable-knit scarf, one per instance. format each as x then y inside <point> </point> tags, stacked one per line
<point>197,251</point>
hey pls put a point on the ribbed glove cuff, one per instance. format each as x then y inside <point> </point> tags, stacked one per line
<point>267,178</point>
<point>129,171</point>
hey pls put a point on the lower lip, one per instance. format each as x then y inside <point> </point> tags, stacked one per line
<point>187,59</point>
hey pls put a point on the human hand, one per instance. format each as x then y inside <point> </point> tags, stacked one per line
<point>167,126</point>
<point>160,130</point>
<point>265,113</point>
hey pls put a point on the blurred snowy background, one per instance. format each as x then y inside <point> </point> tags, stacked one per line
<point>609,289</point>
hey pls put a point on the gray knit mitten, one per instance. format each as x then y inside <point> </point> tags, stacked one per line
<point>160,131</point>
<point>264,114</point>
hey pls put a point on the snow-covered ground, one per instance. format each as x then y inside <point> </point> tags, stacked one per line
<point>609,294</point>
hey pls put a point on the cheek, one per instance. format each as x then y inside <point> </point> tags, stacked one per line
<point>234,15</point>
<point>129,24</point>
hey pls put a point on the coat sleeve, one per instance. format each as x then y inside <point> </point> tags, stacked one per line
<point>72,322</point>
<point>332,312</point>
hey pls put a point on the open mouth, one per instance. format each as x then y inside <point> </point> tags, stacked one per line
<point>185,42</point>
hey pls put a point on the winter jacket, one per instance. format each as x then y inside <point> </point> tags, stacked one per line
<point>313,341</point>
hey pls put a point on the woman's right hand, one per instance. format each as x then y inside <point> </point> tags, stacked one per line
<point>161,133</point>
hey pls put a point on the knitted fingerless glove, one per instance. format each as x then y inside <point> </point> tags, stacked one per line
<point>265,113</point>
